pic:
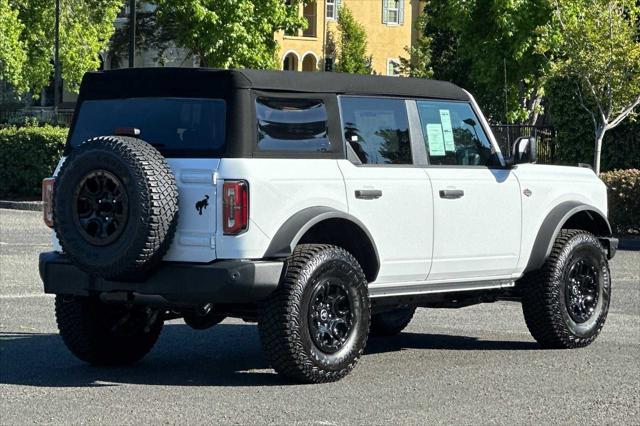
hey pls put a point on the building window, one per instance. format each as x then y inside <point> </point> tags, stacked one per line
<point>333,7</point>
<point>290,62</point>
<point>393,12</point>
<point>393,67</point>
<point>309,63</point>
<point>309,13</point>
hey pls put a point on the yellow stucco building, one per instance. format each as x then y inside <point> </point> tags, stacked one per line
<point>389,25</point>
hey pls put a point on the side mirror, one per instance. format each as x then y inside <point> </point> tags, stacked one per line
<point>524,150</point>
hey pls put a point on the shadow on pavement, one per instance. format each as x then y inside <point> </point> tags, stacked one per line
<point>226,355</point>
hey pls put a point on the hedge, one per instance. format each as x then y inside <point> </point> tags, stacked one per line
<point>624,200</point>
<point>28,155</point>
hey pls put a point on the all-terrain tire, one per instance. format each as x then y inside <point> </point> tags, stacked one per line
<point>391,323</point>
<point>106,334</point>
<point>544,293</point>
<point>286,322</point>
<point>148,223</point>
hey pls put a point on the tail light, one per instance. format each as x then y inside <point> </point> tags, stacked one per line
<point>235,206</point>
<point>47,201</point>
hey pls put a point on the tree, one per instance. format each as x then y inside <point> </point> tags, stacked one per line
<point>12,49</point>
<point>597,44</point>
<point>150,35</point>
<point>418,64</point>
<point>85,29</point>
<point>352,45</point>
<point>229,34</point>
<point>474,42</point>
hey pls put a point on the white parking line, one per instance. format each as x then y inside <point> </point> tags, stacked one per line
<point>24,296</point>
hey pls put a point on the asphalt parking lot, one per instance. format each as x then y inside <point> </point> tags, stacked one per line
<point>473,365</point>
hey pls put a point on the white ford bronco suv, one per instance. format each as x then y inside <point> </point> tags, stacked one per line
<point>323,206</point>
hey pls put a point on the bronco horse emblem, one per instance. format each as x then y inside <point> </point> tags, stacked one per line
<point>202,204</point>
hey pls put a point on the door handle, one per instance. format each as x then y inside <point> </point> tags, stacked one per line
<point>451,193</point>
<point>368,194</point>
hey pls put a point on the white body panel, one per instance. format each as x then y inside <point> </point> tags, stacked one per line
<point>551,186</point>
<point>400,221</point>
<point>478,234</point>
<point>278,189</point>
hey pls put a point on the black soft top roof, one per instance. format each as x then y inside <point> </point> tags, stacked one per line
<point>205,82</point>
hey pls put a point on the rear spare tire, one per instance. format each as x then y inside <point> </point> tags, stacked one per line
<point>115,207</point>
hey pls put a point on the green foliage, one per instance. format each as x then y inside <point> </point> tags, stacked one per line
<point>621,149</point>
<point>85,29</point>
<point>418,64</point>
<point>12,48</point>
<point>352,45</point>
<point>150,35</point>
<point>28,155</point>
<point>473,41</point>
<point>229,34</point>
<point>596,44</point>
<point>624,200</point>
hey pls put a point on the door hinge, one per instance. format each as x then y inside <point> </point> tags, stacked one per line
<point>212,242</point>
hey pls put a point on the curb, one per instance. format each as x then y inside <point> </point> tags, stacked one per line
<point>629,244</point>
<point>35,206</point>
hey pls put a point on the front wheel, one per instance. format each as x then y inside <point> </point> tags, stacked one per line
<point>107,334</point>
<point>314,327</point>
<point>566,302</point>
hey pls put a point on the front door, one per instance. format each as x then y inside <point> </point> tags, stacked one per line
<point>477,205</point>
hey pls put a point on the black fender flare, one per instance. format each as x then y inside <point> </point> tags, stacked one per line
<point>292,230</point>
<point>553,223</point>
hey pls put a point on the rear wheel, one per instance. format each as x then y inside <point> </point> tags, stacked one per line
<point>107,334</point>
<point>392,322</point>
<point>566,302</point>
<point>314,327</point>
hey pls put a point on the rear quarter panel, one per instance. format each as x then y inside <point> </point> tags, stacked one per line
<point>278,188</point>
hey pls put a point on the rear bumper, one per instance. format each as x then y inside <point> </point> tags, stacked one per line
<point>225,281</point>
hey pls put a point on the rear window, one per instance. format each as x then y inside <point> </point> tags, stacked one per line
<point>175,126</point>
<point>292,125</point>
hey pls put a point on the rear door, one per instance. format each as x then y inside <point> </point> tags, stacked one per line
<point>385,190</point>
<point>477,203</point>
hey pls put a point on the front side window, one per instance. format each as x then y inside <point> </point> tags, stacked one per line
<point>298,125</point>
<point>453,135</point>
<point>377,129</point>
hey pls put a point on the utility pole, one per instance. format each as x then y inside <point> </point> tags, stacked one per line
<point>56,62</point>
<point>132,33</point>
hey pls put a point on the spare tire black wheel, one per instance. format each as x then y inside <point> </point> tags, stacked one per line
<point>115,207</point>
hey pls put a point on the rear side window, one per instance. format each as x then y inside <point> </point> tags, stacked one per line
<point>453,135</point>
<point>298,125</point>
<point>377,129</point>
<point>175,126</point>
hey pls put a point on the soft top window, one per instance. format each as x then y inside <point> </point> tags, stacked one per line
<point>298,125</point>
<point>176,126</point>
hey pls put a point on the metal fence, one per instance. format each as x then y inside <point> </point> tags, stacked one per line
<point>507,134</point>
<point>40,114</point>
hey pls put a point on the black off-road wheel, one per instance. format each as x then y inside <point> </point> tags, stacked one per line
<point>107,334</point>
<point>566,302</point>
<point>391,323</point>
<point>314,327</point>
<point>115,207</point>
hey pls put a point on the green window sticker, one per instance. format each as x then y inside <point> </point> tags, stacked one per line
<point>435,139</point>
<point>447,130</point>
